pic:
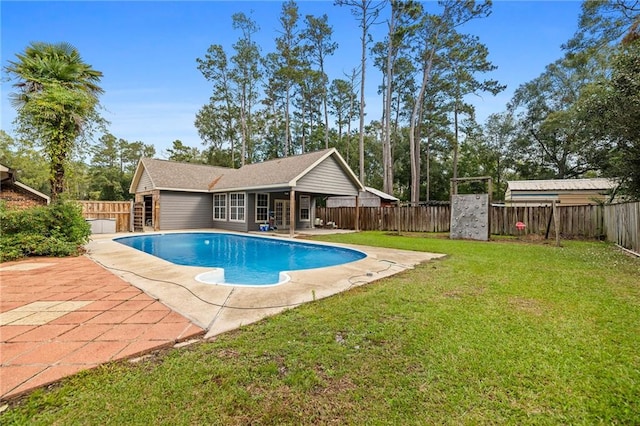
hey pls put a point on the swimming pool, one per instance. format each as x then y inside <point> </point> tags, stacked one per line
<point>240,259</point>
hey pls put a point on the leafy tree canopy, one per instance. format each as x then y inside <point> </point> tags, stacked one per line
<point>57,102</point>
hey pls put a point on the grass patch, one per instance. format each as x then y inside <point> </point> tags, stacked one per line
<point>498,332</point>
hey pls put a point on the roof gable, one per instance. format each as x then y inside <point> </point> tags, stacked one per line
<point>277,172</point>
<point>280,172</point>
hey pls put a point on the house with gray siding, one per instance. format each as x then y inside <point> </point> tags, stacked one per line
<point>278,193</point>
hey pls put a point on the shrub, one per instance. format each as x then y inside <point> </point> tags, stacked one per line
<point>14,221</point>
<point>68,224</point>
<point>56,230</point>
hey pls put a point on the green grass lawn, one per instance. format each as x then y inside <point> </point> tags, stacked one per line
<point>502,332</point>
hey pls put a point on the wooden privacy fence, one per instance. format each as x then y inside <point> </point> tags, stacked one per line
<point>120,211</point>
<point>575,221</point>
<point>409,219</point>
<point>622,225</point>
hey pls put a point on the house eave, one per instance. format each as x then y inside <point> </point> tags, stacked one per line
<point>284,185</point>
<point>180,189</point>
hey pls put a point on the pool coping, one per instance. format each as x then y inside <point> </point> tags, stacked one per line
<point>221,308</point>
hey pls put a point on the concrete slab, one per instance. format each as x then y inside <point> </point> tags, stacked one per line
<point>220,308</point>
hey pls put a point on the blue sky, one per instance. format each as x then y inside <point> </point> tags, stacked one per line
<point>147,52</point>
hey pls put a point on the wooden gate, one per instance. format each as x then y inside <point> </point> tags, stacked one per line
<point>138,217</point>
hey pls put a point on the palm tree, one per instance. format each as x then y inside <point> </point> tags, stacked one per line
<point>57,96</point>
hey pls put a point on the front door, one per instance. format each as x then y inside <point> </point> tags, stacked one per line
<point>282,214</point>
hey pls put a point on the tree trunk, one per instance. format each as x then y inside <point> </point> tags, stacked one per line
<point>414,146</point>
<point>387,161</point>
<point>243,125</point>
<point>428,166</point>
<point>455,145</point>
<point>287,143</point>
<point>363,64</point>
<point>326,120</point>
<point>58,159</point>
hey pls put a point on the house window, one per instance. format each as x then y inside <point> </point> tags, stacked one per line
<point>262,208</point>
<point>236,206</point>
<point>305,208</point>
<point>219,206</point>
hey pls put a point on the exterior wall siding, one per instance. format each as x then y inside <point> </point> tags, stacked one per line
<point>327,177</point>
<point>250,213</point>
<point>145,183</point>
<point>581,198</point>
<point>230,226</point>
<point>544,198</point>
<point>185,210</point>
<point>312,213</point>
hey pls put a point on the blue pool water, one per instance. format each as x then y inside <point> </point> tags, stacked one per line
<point>245,259</point>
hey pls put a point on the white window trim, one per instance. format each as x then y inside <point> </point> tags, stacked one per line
<point>267,207</point>
<point>223,209</point>
<point>244,207</point>
<point>300,209</point>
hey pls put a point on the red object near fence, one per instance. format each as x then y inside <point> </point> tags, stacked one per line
<point>520,226</point>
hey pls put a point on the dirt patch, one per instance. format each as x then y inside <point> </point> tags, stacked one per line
<point>459,294</point>
<point>530,306</point>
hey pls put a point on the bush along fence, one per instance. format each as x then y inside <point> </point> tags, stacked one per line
<point>618,223</point>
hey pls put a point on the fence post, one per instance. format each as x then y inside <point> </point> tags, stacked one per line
<point>357,224</point>
<point>556,221</point>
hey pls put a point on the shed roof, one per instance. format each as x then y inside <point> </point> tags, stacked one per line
<point>594,184</point>
<point>382,195</point>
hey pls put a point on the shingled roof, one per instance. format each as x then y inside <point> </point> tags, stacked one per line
<point>171,175</point>
<point>281,172</point>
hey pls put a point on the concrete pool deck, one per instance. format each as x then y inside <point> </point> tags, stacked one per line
<point>220,308</point>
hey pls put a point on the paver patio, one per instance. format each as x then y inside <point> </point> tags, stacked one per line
<point>59,316</point>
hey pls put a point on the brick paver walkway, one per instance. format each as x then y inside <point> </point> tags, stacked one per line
<point>62,315</point>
